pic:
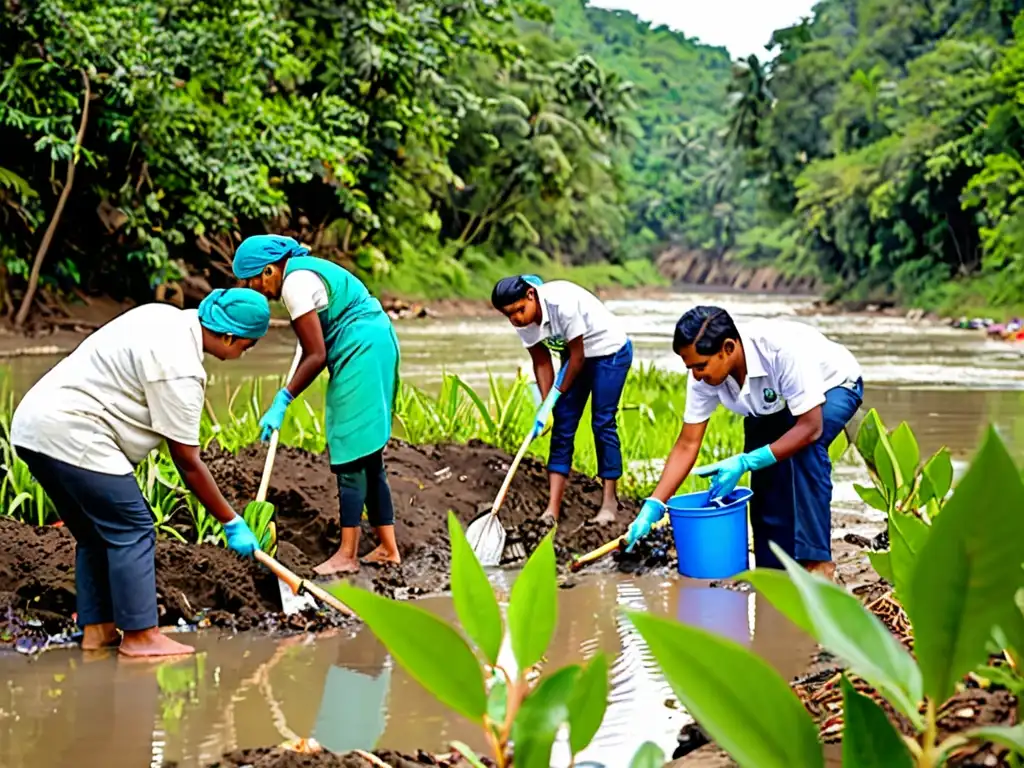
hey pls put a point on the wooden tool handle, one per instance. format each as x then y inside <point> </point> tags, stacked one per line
<point>607,549</point>
<point>511,473</point>
<point>298,585</point>
<point>268,465</point>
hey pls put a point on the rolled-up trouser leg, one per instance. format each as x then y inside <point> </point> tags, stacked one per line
<point>115,572</point>
<point>380,509</point>
<point>352,484</point>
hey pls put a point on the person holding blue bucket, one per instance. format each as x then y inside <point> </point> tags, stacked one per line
<point>595,354</point>
<point>797,390</point>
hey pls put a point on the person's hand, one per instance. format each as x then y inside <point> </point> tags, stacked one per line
<point>274,417</point>
<point>544,412</point>
<point>727,473</point>
<point>651,512</point>
<point>241,539</point>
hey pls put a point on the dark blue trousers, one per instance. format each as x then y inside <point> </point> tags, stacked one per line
<point>115,570</point>
<point>603,378</point>
<point>792,502</point>
<point>364,483</point>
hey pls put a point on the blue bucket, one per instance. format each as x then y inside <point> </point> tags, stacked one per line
<point>711,539</point>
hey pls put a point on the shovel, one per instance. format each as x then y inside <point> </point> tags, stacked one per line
<point>486,534</point>
<point>298,593</point>
<point>293,599</point>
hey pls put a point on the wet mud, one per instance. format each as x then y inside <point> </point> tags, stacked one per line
<point>208,585</point>
<point>280,757</point>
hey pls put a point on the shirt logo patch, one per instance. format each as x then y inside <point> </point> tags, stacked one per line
<point>555,344</point>
<point>770,395</point>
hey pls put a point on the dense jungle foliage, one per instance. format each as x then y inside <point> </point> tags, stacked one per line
<point>431,144</point>
<point>885,142</point>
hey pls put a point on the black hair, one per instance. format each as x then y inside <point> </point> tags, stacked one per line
<point>509,290</point>
<point>706,328</point>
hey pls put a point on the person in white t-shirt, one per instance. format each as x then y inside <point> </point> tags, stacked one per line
<point>595,357</point>
<point>797,390</point>
<point>84,426</point>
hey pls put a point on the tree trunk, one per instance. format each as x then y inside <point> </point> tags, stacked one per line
<point>51,229</point>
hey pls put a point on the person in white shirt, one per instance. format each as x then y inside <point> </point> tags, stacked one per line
<point>797,390</point>
<point>595,357</point>
<point>85,425</point>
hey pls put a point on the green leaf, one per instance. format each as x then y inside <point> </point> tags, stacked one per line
<point>850,631</point>
<point>540,716</point>
<point>497,702</point>
<point>907,535</point>
<point>867,436</point>
<point>838,447</point>
<point>905,449</point>
<point>937,476</point>
<point>533,605</point>
<point>872,497</point>
<point>969,570</point>
<point>431,651</point>
<point>649,755</point>
<point>468,754</point>
<point>887,469</point>
<point>742,703</point>
<point>472,595</point>
<point>1009,736</point>
<point>882,563</point>
<point>782,593</point>
<point>869,738</point>
<point>588,703</point>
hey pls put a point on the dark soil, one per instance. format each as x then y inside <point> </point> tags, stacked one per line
<point>211,585</point>
<point>278,757</point>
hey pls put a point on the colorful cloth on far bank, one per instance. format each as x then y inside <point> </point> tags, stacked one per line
<point>604,378</point>
<point>792,501</point>
<point>362,360</point>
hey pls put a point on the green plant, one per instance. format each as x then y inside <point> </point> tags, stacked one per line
<point>960,589</point>
<point>464,669</point>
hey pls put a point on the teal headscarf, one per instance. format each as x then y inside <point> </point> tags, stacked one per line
<point>258,251</point>
<point>241,312</point>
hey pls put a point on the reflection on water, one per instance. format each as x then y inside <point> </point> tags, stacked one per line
<point>69,708</point>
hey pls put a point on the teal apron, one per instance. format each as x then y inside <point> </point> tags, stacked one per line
<point>362,360</point>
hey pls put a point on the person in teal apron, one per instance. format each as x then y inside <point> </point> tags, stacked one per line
<point>344,329</point>
<point>797,391</point>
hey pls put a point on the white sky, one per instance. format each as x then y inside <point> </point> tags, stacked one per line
<point>742,26</point>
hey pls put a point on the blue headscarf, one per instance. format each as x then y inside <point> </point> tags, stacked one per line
<point>509,290</point>
<point>258,251</point>
<point>241,312</point>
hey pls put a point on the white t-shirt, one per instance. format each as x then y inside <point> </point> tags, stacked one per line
<point>302,292</point>
<point>568,312</point>
<point>134,382</point>
<point>789,364</point>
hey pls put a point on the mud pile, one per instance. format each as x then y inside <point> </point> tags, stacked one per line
<point>277,757</point>
<point>207,583</point>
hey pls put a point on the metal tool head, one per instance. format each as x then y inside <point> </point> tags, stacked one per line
<point>292,603</point>
<point>486,536</point>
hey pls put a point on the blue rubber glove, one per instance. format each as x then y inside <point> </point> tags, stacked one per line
<point>651,512</point>
<point>274,417</point>
<point>727,473</point>
<point>544,412</point>
<point>241,539</point>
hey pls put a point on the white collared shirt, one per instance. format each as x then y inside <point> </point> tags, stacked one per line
<point>789,365</point>
<point>568,312</point>
<point>134,382</point>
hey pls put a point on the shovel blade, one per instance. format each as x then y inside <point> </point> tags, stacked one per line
<point>292,603</point>
<point>486,535</point>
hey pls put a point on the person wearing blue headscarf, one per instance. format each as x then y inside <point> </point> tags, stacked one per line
<point>344,330</point>
<point>134,383</point>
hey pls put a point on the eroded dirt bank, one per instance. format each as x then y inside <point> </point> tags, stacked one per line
<point>207,583</point>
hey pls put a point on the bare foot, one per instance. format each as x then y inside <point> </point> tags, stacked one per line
<point>549,517</point>
<point>338,563</point>
<point>606,516</point>
<point>381,556</point>
<point>826,569</point>
<point>98,636</point>
<point>152,643</point>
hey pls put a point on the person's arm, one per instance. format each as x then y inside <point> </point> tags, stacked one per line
<point>574,364</point>
<point>314,352</point>
<point>197,478</point>
<point>680,460</point>
<point>806,431</point>
<point>543,370</point>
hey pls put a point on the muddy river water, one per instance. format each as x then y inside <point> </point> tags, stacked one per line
<point>69,708</point>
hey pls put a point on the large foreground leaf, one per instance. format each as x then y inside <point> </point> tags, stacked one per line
<point>588,703</point>
<point>968,572</point>
<point>472,595</point>
<point>431,651</point>
<point>541,715</point>
<point>743,704</point>
<point>846,628</point>
<point>782,593</point>
<point>533,605</point>
<point>869,738</point>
